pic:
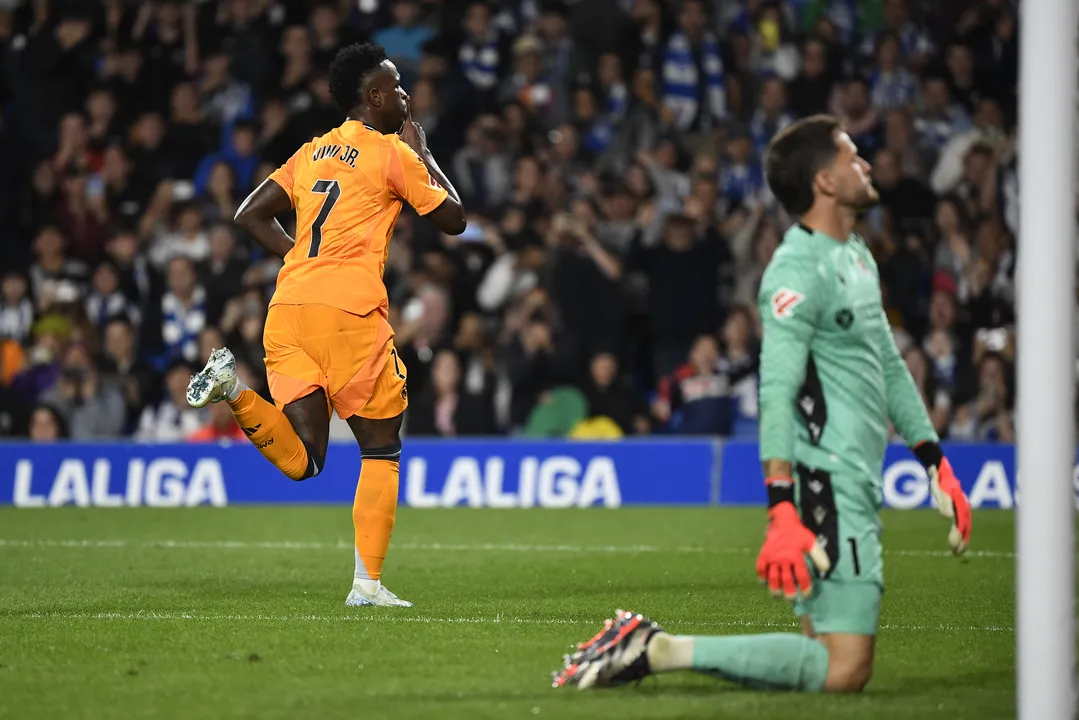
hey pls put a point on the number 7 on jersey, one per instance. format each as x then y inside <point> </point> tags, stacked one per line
<point>332,191</point>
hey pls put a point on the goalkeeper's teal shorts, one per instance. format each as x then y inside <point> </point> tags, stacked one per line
<point>841,511</point>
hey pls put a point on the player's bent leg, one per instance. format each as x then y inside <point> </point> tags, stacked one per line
<point>844,616</point>
<point>850,662</point>
<point>843,612</point>
<point>775,661</point>
<point>309,417</point>
<point>374,510</point>
<point>631,647</point>
<point>267,427</point>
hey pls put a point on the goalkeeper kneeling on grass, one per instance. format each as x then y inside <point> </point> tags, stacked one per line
<point>831,379</point>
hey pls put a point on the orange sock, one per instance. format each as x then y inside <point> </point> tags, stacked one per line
<point>373,514</point>
<point>270,431</point>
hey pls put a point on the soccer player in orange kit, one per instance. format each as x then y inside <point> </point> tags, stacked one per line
<point>327,339</point>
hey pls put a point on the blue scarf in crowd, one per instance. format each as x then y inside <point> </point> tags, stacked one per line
<point>479,60</point>
<point>180,327</point>
<point>936,131</point>
<point>681,81</point>
<point>890,90</point>
<point>617,101</point>
<point>739,183</point>
<point>762,129</point>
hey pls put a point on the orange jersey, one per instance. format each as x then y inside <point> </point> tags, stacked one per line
<point>347,188</point>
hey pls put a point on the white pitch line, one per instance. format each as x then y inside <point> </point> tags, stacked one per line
<point>196,617</point>
<point>151,616</point>
<point>442,547</point>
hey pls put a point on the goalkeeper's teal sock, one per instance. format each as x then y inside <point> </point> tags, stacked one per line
<point>761,662</point>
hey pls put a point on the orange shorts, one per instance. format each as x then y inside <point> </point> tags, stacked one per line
<point>351,357</point>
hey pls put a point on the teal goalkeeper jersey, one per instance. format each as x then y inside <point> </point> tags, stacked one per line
<point>831,375</point>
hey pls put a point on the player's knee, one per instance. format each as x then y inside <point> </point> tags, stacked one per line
<point>389,451</point>
<point>316,460</point>
<point>371,434</point>
<point>313,470</point>
<point>847,677</point>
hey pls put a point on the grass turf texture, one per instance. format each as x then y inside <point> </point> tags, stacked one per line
<point>239,612</point>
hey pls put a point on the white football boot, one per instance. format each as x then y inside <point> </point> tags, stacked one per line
<point>215,382</point>
<point>380,598</point>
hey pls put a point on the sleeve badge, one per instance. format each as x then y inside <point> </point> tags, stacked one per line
<point>784,300</point>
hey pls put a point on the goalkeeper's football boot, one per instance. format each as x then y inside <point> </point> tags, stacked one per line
<point>380,598</point>
<point>615,656</point>
<point>215,381</point>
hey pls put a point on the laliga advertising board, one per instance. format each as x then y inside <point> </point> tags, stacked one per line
<point>986,472</point>
<point>475,473</point>
<point>496,473</point>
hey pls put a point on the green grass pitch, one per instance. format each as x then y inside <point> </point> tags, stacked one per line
<point>239,613</point>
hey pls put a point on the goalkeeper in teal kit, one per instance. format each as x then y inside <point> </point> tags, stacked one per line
<point>831,379</point>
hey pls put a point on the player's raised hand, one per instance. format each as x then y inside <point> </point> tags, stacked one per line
<point>781,563</point>
<point>952,502</point>
<point>412,134</point>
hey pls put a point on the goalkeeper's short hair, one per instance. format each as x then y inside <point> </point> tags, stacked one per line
<point>794,157</point>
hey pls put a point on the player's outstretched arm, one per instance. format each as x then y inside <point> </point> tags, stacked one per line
<point>905,407</point>
<point>910,417</point>
<point>258,216</point>
<point>449,215</point>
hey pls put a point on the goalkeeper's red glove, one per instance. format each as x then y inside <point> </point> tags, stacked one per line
<point>781,562</point>
<point>947,493</point>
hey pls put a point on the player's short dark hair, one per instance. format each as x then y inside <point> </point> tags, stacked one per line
<point>350,69</point>
<point>795,156</point>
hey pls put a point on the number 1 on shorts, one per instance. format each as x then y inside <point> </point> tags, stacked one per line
<point>854,555</point>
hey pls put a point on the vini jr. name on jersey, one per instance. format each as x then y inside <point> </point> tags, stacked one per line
<point>345,153</point>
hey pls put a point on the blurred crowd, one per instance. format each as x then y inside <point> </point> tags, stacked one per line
<point>609,155</point>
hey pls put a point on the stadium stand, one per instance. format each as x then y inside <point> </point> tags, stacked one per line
<point>608,152</point>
